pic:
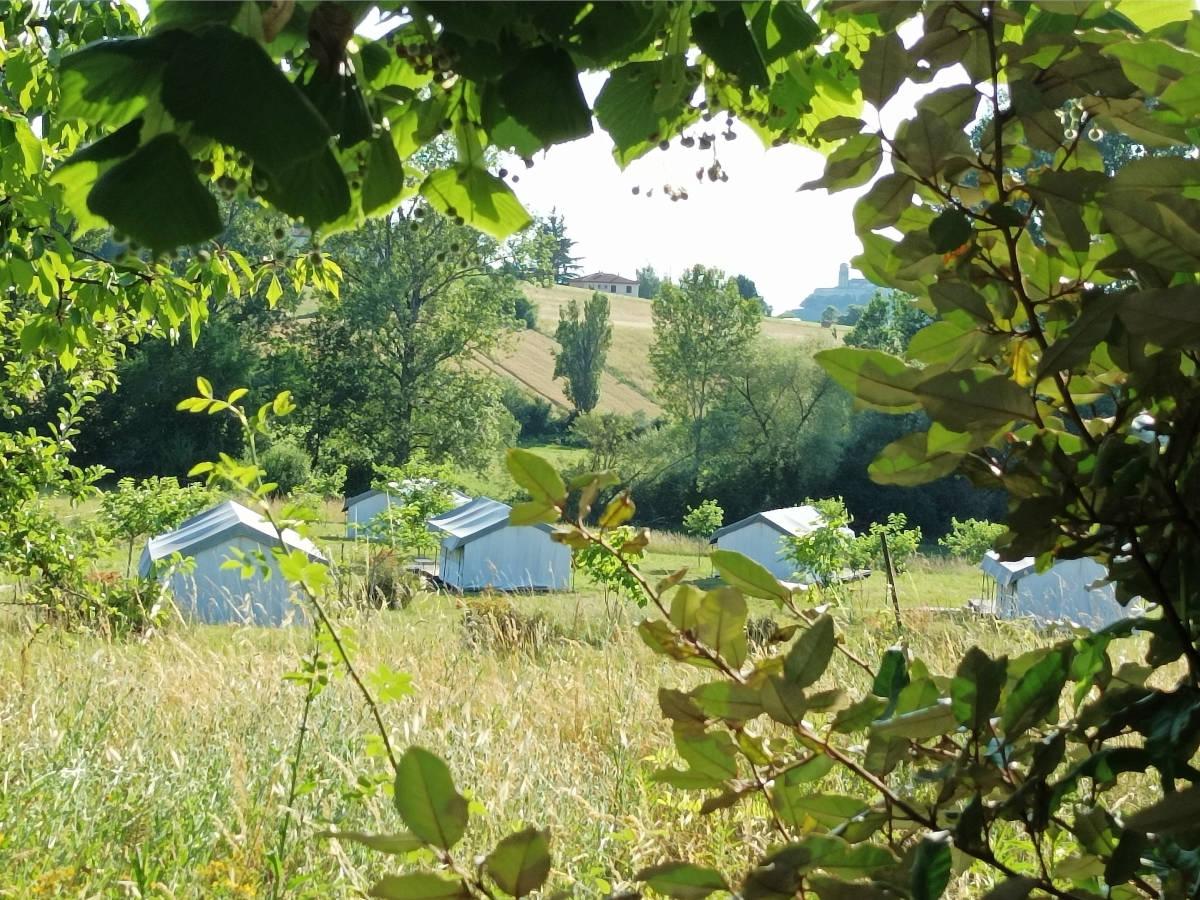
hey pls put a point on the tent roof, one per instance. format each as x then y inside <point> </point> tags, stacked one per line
<point>1006,572</point>
<point>213,526</point>
<point>473,520</point>
<point>793,520</point>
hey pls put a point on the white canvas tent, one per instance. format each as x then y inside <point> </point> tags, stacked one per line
<point>762,536</point>
<point>479,549</point>
<point>362,508</point>
<point>212,594</point>
<point>1071,590</point>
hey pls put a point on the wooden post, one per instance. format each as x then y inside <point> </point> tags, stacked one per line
<point>891,579</point>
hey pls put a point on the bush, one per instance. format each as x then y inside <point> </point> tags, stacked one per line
<point>701,521</point>
<point>493,622</point>
<point>286,465</point>
<point>525,311</point>
<point>903,543</point>
<point>389,584</point>
<point>971,538</point>
<point>534,415</point>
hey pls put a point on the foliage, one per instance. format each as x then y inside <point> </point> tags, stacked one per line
<point>533,414</point>
<point>888,322</point>
<point>525,311</point>
<point>583,338</point>
<point>1044,353</point>
<point>970,539</point>
<point>287,466</point>
<point>903,543</point>
<point>605,435</point>
<point>649,283</point>
<point>151,506</point>
<point>824,553</point>
<point>829,316</point>
<point>610,569</point>
<point>703,519</point>
<point>702,328</point>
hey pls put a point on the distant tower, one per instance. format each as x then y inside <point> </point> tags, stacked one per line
<point>843,275</point>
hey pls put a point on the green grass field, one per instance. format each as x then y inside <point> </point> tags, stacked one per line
<point>159,766</point>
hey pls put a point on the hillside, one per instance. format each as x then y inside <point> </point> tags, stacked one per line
<point>627,384</point>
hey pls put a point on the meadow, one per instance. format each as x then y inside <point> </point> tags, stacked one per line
<point>159,766</point>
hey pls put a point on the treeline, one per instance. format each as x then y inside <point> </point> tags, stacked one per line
<point>384,367</point>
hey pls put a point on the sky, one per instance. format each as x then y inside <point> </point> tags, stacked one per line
<point>757,224</point>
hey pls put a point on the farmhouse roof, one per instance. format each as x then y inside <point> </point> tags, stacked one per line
<point>606,277</point>
<point>217,525</point>
<point>1004,571</point>
<point>473,520</point>
<point>793,520</point>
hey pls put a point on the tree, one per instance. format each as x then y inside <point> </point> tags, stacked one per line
<point>702,327</point>
<point>1046,351</point>
<point>583,342</point>
<point>563,265</point>
<point>888,322</point>
<point>829,316</point>
<point>703,520</point>
<point>649,284</point>
<point>970,539</point>
<point>421,300</point>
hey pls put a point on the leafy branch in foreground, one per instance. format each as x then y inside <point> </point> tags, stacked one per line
<point>996,765</point>
<point>423,790</point>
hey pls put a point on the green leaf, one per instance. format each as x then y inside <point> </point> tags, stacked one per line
<point>724,37</point>
<point>155,197</point>
<point>683,881</point>
<point>685,607</point>
<point>1074,347</point>
<point>884,67</point>
<point>479,198</point>
<point>536,476</point>
<point>111,81</point>
<point>542,93</point>
<point>971,399</point>
<point>1178,811</point>
<point>427,801</point>
<point>418,886</point>
<point>1162,229</point>
<point>314,189</point>
<point>876,379</point>
<point>852,164</point>
<point>783,701</point>
<point>520,864</point>
<point>976,689</point>
<point>227,88</point>
<point>393,844</point>
<point>721,624</point>
<point>533,512</point>
<point>884,203</point>
<point>836,855</point>
<point>1034,695</point>
<point>954,105</point>
<point>1170,317</point>
<point>931,867</point>
<point>858,716</point>
<point>826,810</point>
<point>950,230</point>
<point>920,457</point>
<point>920,724</point>
<point>809,657</point>
<point>627,109</point>
<point>618,511</point>
<point>728,700</point>
<point>927,141</point>
<point>747,576</point>
<point>948,296</point>
<point>892,676</point>
<point>383,186</point>
<point>711,754</point>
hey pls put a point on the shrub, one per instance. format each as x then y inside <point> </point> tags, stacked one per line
<point>825,552</point>
<point>971,538</point>
<point>389,584</point>
<point>903,544</point>
<point>525,311</point>
<point>493,622</point>
<point>287,466</point>
<point>701,521</point>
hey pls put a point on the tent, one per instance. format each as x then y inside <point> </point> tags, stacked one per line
<point>1070,590</point>
<point>212,594</point>
<point>362,508</point>
<point>479,549</point>
<point>762,536</point>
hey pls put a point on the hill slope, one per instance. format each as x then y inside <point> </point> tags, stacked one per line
<point>627,384</point>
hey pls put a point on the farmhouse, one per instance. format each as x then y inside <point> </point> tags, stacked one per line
<point>479,550</point>
<point>1070,590</point>
<point>213,594</point>
<point>606,283</point>
<point>361,509</point>
<point>763,536</point>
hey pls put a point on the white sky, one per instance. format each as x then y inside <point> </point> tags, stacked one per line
<point>757,224</point>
